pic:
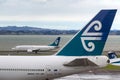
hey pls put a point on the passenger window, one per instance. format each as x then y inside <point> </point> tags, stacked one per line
<point>55,70</point>
<point>49,69</point>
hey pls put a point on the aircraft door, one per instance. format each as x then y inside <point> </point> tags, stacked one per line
<point>49,72</point>
<point>52,72</point>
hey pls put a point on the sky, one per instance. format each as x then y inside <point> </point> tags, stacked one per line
<point>54,14</point>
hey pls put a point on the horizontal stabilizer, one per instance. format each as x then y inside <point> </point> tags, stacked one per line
<point>80,62</point>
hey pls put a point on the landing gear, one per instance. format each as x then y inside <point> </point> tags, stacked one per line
<point>36,52</point>
<point>46,79</point>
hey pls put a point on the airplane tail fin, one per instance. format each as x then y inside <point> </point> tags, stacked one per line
<point>112,55</point>
<point>91,39</point>
<point>56,42</point>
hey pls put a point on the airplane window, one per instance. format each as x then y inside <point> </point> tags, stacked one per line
<point>55,69</point>
<point>42,73</point>
<point>23,69</point>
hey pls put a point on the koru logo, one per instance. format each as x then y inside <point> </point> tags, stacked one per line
<point>56,41</point>
<point>113,56</point>
<point>91,36</point>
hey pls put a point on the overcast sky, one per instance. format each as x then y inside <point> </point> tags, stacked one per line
<point>54,13</point>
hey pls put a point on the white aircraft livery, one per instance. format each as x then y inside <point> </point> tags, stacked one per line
<point>81,53</point>
<point>36,48</point>
<point>114,60</point>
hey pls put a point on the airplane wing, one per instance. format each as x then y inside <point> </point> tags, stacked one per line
<point>80,62</point>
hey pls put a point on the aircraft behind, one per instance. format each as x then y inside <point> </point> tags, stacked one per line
<point>36,48</point>
<point>114,59</point>
<point>81,53</point>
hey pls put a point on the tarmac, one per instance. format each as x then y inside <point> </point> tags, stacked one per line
<point>24,53</point>
<point>39,53</point>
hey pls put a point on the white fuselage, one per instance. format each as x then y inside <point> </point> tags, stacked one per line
<point>115,61</point>
<point>43,67</point>
<point>30,48</point>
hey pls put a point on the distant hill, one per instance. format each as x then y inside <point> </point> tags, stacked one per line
<point>115,32</point>
<point>26,30</point>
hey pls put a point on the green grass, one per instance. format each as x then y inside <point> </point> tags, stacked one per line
<point>112,67</point>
